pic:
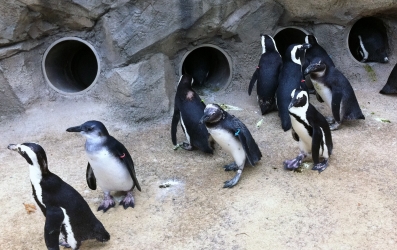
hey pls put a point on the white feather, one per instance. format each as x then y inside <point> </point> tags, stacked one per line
<point>110,173</point>
<point>69,232</point>
<point>324,92</point>
<point>365,56</point>
<point>184,128</point>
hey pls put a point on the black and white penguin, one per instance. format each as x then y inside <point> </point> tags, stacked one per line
<point>234,137</point>
<point>266,75</point>
<point>109,164</point>
<point>391,84</point>
<point>290,78</point>
<point>370,44</point>
<point>335,90</point>
<point>188,109</point>
<point>311,130</point>
<point>66,211</point>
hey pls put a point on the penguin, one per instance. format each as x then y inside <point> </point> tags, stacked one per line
<point>311,130</point>
<point>290,78</point>
<point>188,109</point>
<point>234,137</point>
<point>266,75</point>
<point>335,90</point>
<point>109,163</point>
<point>370,45</point>
<point>198,65</point>
<point>65,210</point>
<point>312,49</point>
<point>391,84</point>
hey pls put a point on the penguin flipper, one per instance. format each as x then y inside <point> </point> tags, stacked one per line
<point>126,158</point>
<point>52,227</point>
<point>253,81</point>
<point>336,110</point>
<point>316,144</point>
<point>250,147</point>
<point>175,120</point>
<point>294,134</point>
<point>90,177</point>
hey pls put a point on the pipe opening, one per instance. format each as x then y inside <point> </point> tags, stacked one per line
<point>368,40</point>
<point>210,68</point>
<point>71,65</point>
<point>287,36</point>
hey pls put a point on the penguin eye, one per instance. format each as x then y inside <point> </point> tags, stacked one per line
<point>90,128</point>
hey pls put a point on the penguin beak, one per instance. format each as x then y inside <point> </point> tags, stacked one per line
<point>311,68</point>
<point>305,46</point>
<point>74,129</point>
<point>13,147</point>
<point>204,118</point>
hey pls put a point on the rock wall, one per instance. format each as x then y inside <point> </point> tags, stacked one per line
<point>141,44</point>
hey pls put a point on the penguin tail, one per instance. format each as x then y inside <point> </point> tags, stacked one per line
<point>100,233</point>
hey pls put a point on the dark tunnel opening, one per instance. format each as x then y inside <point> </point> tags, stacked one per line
<point>368,40</point>
<point>288,36</point>
<point>70,65</point>
<point>210,68</point>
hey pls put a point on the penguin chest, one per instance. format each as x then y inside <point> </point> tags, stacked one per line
<point>184,129</point>
<point>324,92</point>
<point>110,172</point>
<point>305,140</point>
<point>229,143</point>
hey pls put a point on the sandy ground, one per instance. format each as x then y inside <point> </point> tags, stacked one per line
<point>351,205</point>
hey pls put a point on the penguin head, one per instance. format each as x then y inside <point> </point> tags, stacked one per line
<point>185,80</point>
<point>311,39</point>
<point>33,153</point>
<point>317,67</point>
<point>299,100</point>
<point>92,130</point>
<point>268,44</point>
<point>212,113</point>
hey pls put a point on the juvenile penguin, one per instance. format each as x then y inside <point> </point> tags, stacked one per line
<point>335,90</point>
<point>234,137</point>
<point>391,84</point>
<point>290,78</point>
<point>311,130</point>
<point>188,109</point>
<point>66,212</point>
<point>266,75</point>
<point>109,163</point>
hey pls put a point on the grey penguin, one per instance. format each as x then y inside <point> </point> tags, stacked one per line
<point>65,210</point>
<point>266,75</point>
<point>234,137</point>
<point>188,109</point>
<point>311,130</point>
<point>290,78</point>
<point>109,163</point>
<point>391,84</point>
<point>335,90</point>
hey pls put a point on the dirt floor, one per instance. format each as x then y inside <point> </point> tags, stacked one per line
<point>351,205</point>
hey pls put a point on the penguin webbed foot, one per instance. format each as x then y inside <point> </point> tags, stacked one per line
<point>128,201</point>
<point>320,167</point>
<point>330,120</point>
<point>334,126</point>
<point>107,203</point>
<point>231,167</point>
<point>64,244</point>
<point>232,182</point>
<point>294,163</point>
<point>186,146</point>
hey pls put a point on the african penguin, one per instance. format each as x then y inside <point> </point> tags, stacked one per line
<point>266,75</point>
<point>335,90</point>
<point>311,130</point>
<point>290,78</point>
<point>313,50</point>
<point>371,45</point>
<point>188,109</point>
<point>198,64</point>
<point>66,212</point>
<point>234,137</point>
<point>109,164</point>
<point>391,84</point>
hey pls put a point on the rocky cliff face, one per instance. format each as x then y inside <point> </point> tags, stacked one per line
<point>141,43</point>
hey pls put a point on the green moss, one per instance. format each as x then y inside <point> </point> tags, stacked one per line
<point>371,72</point>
